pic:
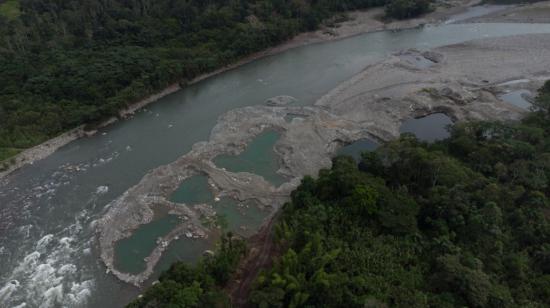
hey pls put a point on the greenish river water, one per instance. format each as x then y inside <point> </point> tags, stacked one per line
<point>258,157</point>
<point>242,218</point>
<point>130,252</point>
<point>193,190</point>
<point>48,248</point>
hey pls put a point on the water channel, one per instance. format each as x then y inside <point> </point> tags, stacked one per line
<point>48,249</point>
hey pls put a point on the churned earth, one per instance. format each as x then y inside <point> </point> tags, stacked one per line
<point>464,81</point>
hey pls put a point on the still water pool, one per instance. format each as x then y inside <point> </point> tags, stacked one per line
<point>130,252</point>
<point>429,128</point>
<point>258,157</point>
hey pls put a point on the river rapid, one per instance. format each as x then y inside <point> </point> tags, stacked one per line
<point>48,249</point>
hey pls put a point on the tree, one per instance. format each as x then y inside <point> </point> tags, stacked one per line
<point>402,9</point>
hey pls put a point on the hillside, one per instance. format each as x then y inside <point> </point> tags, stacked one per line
<point>463,222</point>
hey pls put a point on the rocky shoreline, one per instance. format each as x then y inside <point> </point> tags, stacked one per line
<point>463,81</point>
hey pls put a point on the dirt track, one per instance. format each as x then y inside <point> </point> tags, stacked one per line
<point>262,251</point>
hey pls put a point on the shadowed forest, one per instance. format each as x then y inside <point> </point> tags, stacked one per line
<point>463,222</point>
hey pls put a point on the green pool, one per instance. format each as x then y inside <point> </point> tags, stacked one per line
<point>258,157</point>
<point>130,252</point>
<point>193,190</point>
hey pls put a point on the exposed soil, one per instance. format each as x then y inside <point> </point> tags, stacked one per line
<point>262,251</point>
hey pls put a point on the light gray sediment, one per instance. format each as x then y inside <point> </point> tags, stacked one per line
<point>526,13</point>
<point>463,81</point>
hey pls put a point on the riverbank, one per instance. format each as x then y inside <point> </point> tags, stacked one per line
<point>359,22</point>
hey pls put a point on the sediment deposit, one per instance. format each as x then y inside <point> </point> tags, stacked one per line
<point>527,13</point>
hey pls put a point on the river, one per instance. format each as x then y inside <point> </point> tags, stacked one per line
<point>48,250</point>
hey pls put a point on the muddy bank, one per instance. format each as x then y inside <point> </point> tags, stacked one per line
<point>463,81</point>
<point>359,22</point>
<point>527,13</point>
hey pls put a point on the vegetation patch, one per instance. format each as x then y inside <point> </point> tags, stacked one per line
<point>460,223</point>
<point>402,9</point>
<point>199,286</point>
<point>10,9</point>
<point>63,65</point>
<point>6,153</point>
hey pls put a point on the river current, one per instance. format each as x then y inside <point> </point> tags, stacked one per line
<point>48,250</point>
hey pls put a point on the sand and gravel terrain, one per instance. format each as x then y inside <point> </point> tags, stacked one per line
<point>538,12</point>
<point>463,81</point>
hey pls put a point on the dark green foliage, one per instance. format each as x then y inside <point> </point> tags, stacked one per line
<point>542,103</point>
<point>198,286</point>
<point>402,9</point>
<point>5,153</point>
<point>66,62</point>
<point>9,9</point>
<point>465,222</point>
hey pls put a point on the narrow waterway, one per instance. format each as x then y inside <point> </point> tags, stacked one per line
<point>48,254</point>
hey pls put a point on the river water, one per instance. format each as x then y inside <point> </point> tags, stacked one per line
<point>48,254</point>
